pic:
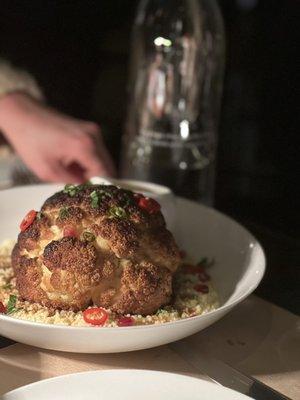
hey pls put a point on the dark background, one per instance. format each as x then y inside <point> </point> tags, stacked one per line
<point>78,51</point>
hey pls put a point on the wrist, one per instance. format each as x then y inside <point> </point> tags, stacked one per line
<point>9,99</point>
<point>11,106</point>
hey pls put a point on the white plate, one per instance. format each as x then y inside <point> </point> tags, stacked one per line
<point>125,385</point>
<point>239,267</point>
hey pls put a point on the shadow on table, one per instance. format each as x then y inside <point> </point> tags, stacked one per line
<point>159,359</point>
<point>21,365</point>
<point>254,338</point>
<point>14,372</point>
<point>4,342</point>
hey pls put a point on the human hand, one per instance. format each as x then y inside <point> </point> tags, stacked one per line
<point>56,147</point>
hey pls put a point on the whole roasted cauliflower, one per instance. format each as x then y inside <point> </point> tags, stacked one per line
<point>96,244</point>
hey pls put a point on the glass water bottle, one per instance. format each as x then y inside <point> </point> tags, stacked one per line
<point>174,96</point>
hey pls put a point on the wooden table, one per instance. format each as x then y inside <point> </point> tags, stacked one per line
<point>258,338</point>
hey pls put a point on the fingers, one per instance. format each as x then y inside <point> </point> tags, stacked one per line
<point>76,162</point>
<point>107,160</point>
<point>66,175</point>
<point>91,128</point>
<point>55,172</point>
<point>93,155</point>
<point>76,157</point>
<point>93,164</point>
<point>100,160</point>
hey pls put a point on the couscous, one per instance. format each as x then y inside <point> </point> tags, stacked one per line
<point>194,294</point>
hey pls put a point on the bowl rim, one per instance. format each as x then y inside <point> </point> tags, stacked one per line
<point>165,325</point>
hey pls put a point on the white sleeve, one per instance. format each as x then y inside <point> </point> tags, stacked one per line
<point>17,80</point>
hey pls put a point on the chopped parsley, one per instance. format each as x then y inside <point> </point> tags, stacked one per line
<point>7,286</point>
<point>11,305</point>
<point>206,263</point>
<point>39,215</point>
<point>64,213</point>
<point>71,190</point>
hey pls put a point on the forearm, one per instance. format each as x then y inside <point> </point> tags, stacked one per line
<point>55,146</point>
<point>11,105</point>
<point>16,86</point>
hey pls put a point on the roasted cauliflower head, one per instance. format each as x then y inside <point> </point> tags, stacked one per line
<point>96,244</point>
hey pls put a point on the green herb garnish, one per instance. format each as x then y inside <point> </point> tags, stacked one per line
<point>7,286</point>
<point>97,196</point>
<point>206,263</point>
<point>117,212</point>
<point>105,194</point>
<point>64,213</point>
<point>71,190</point>
<point>39,215</point>
<point>88,236</point>
<point>11,305</point>
<point>102,194</point>
<point>95,199</point>
<point>127,200</point>
<point>202,262</point>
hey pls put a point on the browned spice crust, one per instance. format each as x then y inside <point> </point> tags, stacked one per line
<point>126,263</point>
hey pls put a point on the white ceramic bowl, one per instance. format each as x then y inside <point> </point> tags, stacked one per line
<point>239,267</point>
<point>131,385</point>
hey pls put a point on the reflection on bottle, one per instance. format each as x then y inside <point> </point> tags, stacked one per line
<point>176,74</point>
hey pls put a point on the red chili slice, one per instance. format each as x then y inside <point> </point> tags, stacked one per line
<point>192,312</point>
<point>192,269</point>
<point>201,288</point>
<point>28,220</point>
<point>148,204</point>
<point>182,254</point>
<point>95,316</point>
<point>2,308</point>
<point>125,321</point>
<point>69,231</point>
